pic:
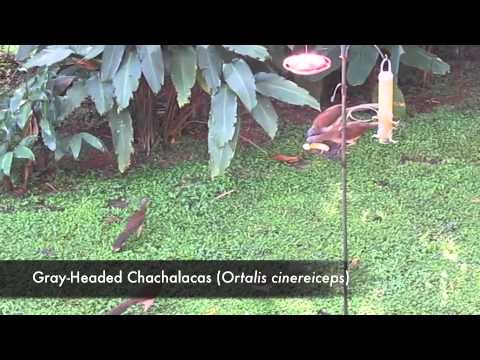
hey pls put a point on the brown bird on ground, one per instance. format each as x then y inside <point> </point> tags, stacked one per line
<point>134,225</point>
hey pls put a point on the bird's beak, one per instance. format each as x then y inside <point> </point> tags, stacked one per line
<point>312,132</point>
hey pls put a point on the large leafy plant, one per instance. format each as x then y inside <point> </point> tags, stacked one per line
<point>63,76</point>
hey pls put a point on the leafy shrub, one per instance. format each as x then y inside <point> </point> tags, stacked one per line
<point>234,77</point>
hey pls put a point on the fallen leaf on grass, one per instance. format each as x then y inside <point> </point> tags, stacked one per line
<point>222,195</point>
<point>287,159</point>
<point>476,200</point>
<point>354,264</point>
<point>212,311</point>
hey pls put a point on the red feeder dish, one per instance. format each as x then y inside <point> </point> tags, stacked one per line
<point>307,64</point>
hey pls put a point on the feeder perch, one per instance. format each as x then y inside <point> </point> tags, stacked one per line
<point>316,146</point>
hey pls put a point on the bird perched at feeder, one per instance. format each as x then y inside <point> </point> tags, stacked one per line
<point>324,120</point>
<point>134,225</point>
<point>332,136</point>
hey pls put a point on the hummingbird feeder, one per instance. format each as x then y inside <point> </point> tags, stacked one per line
<point>307,63</point>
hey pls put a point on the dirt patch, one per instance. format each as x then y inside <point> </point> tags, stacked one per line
<point>249,129</point>
<point>10,78</point>
<point>295,114</point>
<point>454,91</point>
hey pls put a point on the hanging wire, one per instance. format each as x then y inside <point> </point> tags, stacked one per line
<point>343,56</point>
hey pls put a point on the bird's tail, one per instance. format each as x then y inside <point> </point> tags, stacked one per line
<point>121,239</point>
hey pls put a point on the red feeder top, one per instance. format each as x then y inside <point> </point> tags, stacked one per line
<point>307,64</point>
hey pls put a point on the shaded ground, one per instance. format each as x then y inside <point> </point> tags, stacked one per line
<point>459,89</point>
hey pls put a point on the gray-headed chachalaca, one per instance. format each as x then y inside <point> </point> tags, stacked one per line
<point>134,225</point>
<point>327,130</point>
<point>323,121</point>
<point>333,134</point>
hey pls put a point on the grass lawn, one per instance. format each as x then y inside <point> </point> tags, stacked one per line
<point>413,225</point>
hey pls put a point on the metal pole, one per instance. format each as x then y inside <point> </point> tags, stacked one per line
<point>343,56</point>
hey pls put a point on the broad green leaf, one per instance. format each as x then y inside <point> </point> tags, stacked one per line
<point>240,79</point>
<point>277,87</point>
<point>62,83</point>
<point>94,51</point>
<point>62,148</point>
<point>75,145</point>
<point>151,59</point>
<point>6,162</point>
<point>72,100</point>
<point>28,140</point>
<point>111,60</point>
<point>417,57</point>
<point>221,156</point>
<point>87,50</point>
<point>93,141</point>
<point>254,51</point>
<point>3,148</point>
<point>48,134</point>
<point>266,116</point>
<point>4,102</point>
<point>126,80</point>
<point>362,59</point>
<point>183,71</point>
<point>315,89</point>
<point>37,94</point>
<point>24,52</point>
<point>23,152</point>
<point>122,136</point>
<point>17,99</point>
<point>223,116</point>
<point>102,94</point>
<point>48,56</point>
<point>22,116</point>
<point>202,83</point>
<point>210,63</point>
